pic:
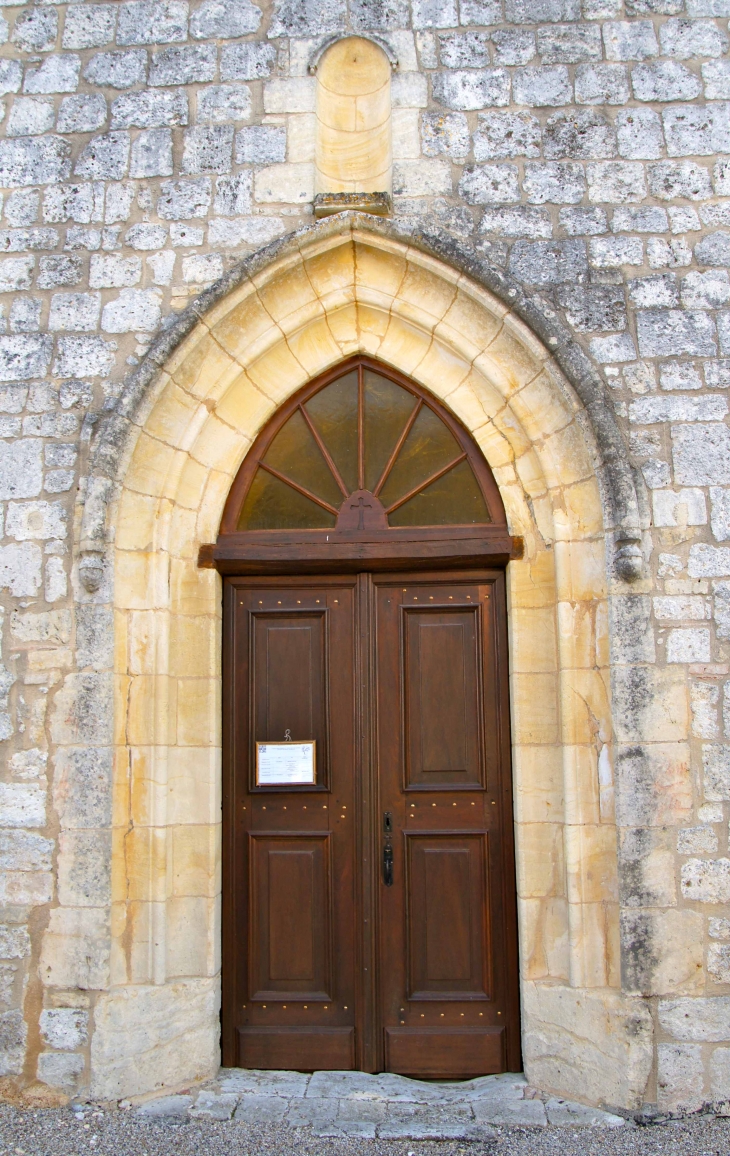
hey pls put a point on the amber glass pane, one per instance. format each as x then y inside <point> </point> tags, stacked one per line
<point>429,447</point>
<point>334,415</point>
<point>294,452</point>
<point>387,409</point>
<point>272,505</point>
<point>453,500</point>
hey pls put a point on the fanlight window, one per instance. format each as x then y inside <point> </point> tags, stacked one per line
<point>364,452</point>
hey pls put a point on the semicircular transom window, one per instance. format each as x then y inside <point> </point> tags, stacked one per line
<point>364,452</point>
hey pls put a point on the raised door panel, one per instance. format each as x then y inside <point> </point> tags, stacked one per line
<point>289,689</point>
<point>290,931</point>
<point>447,913</point>
<point>443,698</point>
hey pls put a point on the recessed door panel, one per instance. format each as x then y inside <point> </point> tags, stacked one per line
<point>447,915</point>
<point>290,680</point>
<point>290,930</point>
<point>442,685</point>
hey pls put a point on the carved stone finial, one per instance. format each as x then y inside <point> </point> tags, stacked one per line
<point>91,571</point>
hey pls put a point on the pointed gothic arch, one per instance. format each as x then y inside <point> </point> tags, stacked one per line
<point>163,469</point>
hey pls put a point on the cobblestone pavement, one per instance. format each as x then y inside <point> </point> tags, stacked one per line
<point>390,1107</point>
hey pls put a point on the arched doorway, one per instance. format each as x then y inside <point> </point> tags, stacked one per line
<point>369,897</point>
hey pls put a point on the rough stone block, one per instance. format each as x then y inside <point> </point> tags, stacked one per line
<point>83,357</point>
<point>134,310</point>
<point>64,1028</point>
<point>554,182</point>
<point>89,25</point>
<point>208,149</point>
<point>569,44</point>
<point>248,61</point>
<point>684,39</point>
<point>716,766</point>
<point>308,17</point>
<point>499,135</point>
<point>581,135</point>
<point>520,221</point>
<point>74,311</point>
<point>466,90</point>
<point>55,74</point>
<point>150,109</point>
<point>513,45</point>
<point>116,69</point>
<point>112,271</point>
<point>20,568</point>
<point>224,103</point>
<point>11,75</point>
<point>593,309</point>
<point>31,116</point>
<point>489,185</point>
<point>548,262</point>
<point>83,113</point>
<point>104,157</point>
<point>690,130</point>
<point>285,184</point>
<point>422,178</point>
<point>41,161</point>
<point>656,292</point>
<point>601,84</point>
<point>615,182</point>
<point>432,14</point>
<point>664,80</point>
<point>183,200</point>
<point>716,75</point>
<point>16,273</point>
<point>21,207</point>
<point>152,22</point>
<point>13,1033</point>
<point>24,357</point>
<point>447,134</point>
<point>542,87</point>
<point>689,644</point>
<point>582,222</point>
<point>669,333</point>
<point>464,49</point>
<point>260,145</point>
<point>233,195</point>
<point>639,134</point>
<point>192,64</point>
<point>706,290</point>
<point>224,19</point>
<point>35,30</point>
<point>541,11</point>
<point>678,508</point>
<point>679,1077</point>
<point>706,881</point>
<point>630,40</point>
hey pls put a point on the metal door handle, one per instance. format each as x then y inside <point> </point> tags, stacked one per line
<point>388,864</point>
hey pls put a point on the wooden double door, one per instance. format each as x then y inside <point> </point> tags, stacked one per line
<point>369,918</point>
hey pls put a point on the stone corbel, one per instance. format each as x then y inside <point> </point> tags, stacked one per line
<point>629,557</point>
<point>91,570</point>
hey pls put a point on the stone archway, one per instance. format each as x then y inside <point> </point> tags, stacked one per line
<point>163,470</point>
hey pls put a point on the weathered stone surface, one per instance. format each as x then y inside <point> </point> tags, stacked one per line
<point>139,1028</point>
<point>609,1046</point>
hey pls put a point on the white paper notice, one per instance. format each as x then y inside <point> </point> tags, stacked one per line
<point>282,764</point>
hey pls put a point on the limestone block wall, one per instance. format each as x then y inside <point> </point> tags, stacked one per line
<point>583,150</point>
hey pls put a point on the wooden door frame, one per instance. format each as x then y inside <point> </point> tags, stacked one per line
<point>369,1042</point>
